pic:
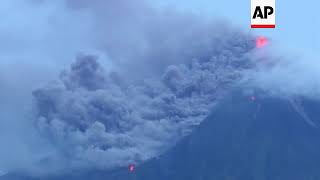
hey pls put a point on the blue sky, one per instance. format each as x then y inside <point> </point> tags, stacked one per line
<point>294,30</point>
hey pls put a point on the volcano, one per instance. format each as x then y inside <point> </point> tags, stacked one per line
<point>267,138</point>
<point>244,138</point>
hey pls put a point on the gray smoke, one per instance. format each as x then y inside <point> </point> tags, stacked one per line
<point>99,119</point>
<point>152,77</point>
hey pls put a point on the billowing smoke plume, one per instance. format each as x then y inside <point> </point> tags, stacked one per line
<point>153,76</point>
<point>100,119</point>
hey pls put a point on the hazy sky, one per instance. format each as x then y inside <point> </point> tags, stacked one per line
<point>297,21</point>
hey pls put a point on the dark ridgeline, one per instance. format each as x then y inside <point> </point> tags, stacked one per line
<point>245,138</point>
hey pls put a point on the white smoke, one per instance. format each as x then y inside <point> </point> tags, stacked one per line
<point>287,76</point>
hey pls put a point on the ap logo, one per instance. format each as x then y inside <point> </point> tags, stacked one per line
<point>263,14</point>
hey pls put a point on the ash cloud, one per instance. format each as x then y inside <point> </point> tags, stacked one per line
<point>161,73</point>
<point>134,33</point>
<point>100,120</point>
<point>153,77</point>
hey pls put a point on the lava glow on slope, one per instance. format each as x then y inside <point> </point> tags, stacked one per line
<point>131,168</point>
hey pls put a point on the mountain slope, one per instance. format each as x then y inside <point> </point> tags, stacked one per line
<point>245,138</point>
